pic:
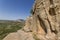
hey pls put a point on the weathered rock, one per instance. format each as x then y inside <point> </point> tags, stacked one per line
<point>25,36</point>
<point>12,36</point>
<point>44,24</point>
<point>28,24</point>
<point>47,12</point>
<point>51,36</point>
<point>19,35</point>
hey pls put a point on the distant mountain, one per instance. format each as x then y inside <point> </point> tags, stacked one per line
<point>20,20</point>
<point>7,21</point>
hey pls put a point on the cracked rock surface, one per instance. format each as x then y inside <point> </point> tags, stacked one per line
<point>43,24</point>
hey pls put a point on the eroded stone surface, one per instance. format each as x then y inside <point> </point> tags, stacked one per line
<point>44,22</point>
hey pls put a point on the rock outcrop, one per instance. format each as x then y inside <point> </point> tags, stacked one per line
<point>44,24</point>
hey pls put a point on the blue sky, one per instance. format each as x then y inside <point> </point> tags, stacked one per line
<point>15,9</point>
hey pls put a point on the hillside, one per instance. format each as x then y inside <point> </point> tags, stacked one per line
<point>9,26</point>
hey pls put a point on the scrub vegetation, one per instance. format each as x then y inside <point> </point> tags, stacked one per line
<point>7,27</point>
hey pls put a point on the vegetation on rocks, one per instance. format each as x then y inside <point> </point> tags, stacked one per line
<point>31,11</point>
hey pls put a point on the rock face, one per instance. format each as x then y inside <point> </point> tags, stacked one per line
<point>44,24</point>
<point>19,35</point>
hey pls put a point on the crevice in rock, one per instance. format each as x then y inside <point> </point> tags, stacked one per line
<point>51,1</point>
<point>52,11</point>
<point>42,23</point>
<point>54,31</point>
<point>51,27</point>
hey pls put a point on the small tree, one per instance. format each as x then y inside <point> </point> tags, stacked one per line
<point>31,11</point>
